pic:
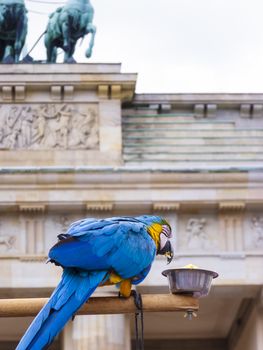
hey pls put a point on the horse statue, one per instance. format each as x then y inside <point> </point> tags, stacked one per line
<point>13,29</point>
<point>66,25</point>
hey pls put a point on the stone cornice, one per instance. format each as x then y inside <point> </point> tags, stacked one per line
<point>101,189</point>
<point>122,177</point>
<point>130,170</point>
<point>195,98</point>
<point>16,80</point>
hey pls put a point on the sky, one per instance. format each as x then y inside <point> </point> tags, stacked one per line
<point>175,46</point>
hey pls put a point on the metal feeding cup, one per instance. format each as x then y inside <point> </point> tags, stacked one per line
<point>190,280</point>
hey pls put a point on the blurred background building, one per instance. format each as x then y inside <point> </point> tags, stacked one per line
<point>76,141</point>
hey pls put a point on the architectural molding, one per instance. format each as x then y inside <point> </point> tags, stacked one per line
<point>245,111</point>
<point>33,258</point>
<point>99,206</point>
<point>199,111</point>
<point>68,91</point>
<point>89,77</point>
<point>32,208</point>
<point>221,99</point>
<point>165,206</point>
<point>104,91</point>
<point>7,93</point>
<point>251,110</point>
<point>211,110</point>
<point>56,93</point>
<point>20,93</point>
<point>232,206</point>
<point>115,92</point>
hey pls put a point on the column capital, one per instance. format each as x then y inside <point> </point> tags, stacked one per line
<point>166,206</point>
<point>99,206</point>
<point>32,208</point>
<point>232,206</point>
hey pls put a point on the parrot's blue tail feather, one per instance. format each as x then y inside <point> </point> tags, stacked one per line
<point>72,292</point>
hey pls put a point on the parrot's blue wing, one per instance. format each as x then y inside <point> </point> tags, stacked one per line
<point>88,252</point>
<point>73,290</point>
<point>122,245</point>
<point>141,276</point>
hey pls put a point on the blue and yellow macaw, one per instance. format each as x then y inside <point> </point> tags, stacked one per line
<point>118,250</point>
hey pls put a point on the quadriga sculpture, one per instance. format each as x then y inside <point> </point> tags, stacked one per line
<point>13,29</point>
<point>68,24</point>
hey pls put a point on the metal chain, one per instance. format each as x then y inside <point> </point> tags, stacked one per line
<point>139,332</point>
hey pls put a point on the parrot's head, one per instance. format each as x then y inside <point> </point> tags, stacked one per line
<point>161,232</point>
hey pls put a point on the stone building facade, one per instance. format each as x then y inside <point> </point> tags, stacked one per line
<point>76,141</point>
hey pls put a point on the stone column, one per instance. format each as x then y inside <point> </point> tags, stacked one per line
<point>32,217</point>
<point>231,215</point>
<point>97,332</point>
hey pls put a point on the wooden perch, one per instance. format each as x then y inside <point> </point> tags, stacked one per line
<point>104,305</point>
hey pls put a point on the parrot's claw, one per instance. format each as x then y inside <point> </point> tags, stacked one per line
<point>137,300</point>
<point>73,317</point>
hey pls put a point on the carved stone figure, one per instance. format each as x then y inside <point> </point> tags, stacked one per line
<point>48,126</point>
<point>39,125</point>
<point>66,26</point>
<point>83,135</point>
<point>7,240</point>
<point>257,227</point>
<point>13,29</point>
<point>197,237</point>
<point>26,127</point>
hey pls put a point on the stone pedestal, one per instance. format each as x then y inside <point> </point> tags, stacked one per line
<point>103,332</point>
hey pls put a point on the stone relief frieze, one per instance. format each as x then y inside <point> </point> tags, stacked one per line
<point>256,224</point>
<point>8,241</point>
<point>253,231</point>
<point>48,126</point>
<point>195,234</point>
<point>31,234</point>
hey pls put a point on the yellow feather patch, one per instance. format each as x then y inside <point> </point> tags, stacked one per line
<point>155,230</point>
<point>114,278</point>
<point>125,284</point>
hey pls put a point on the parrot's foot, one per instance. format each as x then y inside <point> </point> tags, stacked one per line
<point>137,299</point>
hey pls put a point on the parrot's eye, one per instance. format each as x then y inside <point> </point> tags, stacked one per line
<point>166,230</point>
